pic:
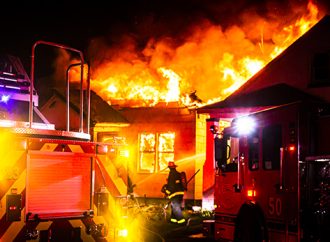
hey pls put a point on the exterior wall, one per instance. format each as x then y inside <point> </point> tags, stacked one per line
<point>155,120</point>
<point>200,154</point>
<point>209,166</point>
<point>55,112</point>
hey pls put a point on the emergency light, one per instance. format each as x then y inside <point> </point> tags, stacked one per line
<point>101,149</point>
<point>245,125</point>
<point>251,193</point>
<point>292,148</point>
<point>124,153</point>
<point>122,233</point>
<point>4,98</point>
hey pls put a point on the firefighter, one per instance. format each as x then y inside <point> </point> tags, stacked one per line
<point>250,224</point>
<point>175,191</point>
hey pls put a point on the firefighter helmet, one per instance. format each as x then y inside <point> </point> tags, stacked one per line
<point>171,164</point>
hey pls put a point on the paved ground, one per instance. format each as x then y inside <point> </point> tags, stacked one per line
<point>167,232</point>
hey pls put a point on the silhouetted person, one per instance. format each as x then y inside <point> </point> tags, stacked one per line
<point>250,224</point>
<point>175,191</point>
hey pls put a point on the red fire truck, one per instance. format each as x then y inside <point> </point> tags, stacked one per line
<point>47,176</point>
<point>272,180</point>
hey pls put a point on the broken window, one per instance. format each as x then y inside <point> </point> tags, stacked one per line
<point>155,151</point>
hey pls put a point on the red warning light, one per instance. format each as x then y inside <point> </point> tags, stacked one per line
<point>292,148</point>
<point>251,193</point>
<point>101,149</point>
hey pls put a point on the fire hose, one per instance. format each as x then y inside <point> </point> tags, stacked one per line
<point>193,176</point>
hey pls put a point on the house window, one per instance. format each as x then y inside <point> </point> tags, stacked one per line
<point>321,70</point>
<point>155,151</point>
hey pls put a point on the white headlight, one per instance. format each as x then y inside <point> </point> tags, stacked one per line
<point>245,125</point>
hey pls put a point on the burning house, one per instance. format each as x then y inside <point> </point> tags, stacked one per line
<point>155,88</point>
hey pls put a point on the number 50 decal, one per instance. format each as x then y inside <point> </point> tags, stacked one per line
<point>275,206</point>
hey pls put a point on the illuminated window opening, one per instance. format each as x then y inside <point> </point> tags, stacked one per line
<point>155,151</point>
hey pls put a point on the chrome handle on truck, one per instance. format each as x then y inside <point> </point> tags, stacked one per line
<point>240,161</point>
<point>281,168</point>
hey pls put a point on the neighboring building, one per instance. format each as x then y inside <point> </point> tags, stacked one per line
<point>301,72</point>
<point>102,114</point>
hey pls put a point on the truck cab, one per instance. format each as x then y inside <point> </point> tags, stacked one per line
<point>261,186</point>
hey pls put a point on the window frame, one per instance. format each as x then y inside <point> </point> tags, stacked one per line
<point>156,153</point>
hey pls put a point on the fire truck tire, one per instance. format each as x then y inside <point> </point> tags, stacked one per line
<point>250,224</point>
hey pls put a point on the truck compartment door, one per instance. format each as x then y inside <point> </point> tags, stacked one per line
<point>59,184</point>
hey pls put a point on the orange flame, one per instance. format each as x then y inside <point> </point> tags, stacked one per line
<point>211,63</point>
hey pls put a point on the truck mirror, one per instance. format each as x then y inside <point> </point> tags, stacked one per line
<point>220,152</point>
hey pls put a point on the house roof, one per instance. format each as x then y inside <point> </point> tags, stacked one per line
<point>266,97</point>
<point>161,113</point>
<point>262,90</point>
<point>259,80</point>
<point>101,111</point>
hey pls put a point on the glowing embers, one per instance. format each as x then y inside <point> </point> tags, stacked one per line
<point>245,125</point>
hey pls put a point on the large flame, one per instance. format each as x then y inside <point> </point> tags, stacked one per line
<point>208,65</point>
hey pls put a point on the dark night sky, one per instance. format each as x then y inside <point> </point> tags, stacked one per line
<point>76,23</point>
